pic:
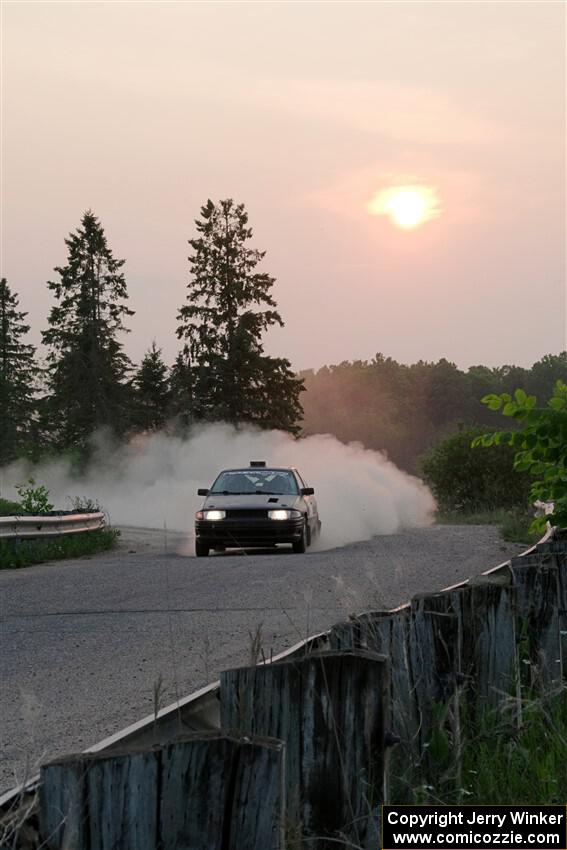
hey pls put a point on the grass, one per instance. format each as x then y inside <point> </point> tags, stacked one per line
<point>9,508</point>
<point>499,764</point>
<point>527,768</point>
<point>514,523</point>
<point>25,553</point>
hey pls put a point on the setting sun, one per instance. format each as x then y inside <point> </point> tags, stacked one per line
<point>406,206</point>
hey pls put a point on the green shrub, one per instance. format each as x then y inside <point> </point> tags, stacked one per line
<point>34,499</point>
<point>467,481</point>
<point>9,508</point>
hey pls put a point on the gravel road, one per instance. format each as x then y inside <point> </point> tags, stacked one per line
<point>84,641</point>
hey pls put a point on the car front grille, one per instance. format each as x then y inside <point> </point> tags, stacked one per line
<point>246,513</point>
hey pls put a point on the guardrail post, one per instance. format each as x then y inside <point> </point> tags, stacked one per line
<point>204,792</point>
<point>538,621</point>
<point>557,550</point>
<point>387,633</point>
<point>332,712</point>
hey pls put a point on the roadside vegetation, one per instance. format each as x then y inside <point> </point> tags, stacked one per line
<point>514,524</point>
<point>500,764</point>
<point>539,441</point>
<point>34,501</point>
<point>25,553</point>
<point>10,508</point>
<point>524,767</point>
<point>474,487</point>
<point>500,476</point>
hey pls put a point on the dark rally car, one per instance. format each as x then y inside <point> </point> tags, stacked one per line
<point>256,506</point>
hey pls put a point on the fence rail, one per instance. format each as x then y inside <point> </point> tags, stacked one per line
<point>31,527</point>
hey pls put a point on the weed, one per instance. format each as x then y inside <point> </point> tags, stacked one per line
<point>256,645</point>
<point>84,505</point>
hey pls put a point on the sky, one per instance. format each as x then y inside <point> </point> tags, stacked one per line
<point>311,114</point>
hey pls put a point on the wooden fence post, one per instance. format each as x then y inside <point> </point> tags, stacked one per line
<point>557,549</point>
<point>538,621</point>
<point>331,710</point>
<point>387,633</point>
<point>486,607</point>
<point>207,792</point>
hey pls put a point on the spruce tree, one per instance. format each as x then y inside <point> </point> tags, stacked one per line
<point>229,305</point>
<point>151,392</point>
<point>87,366</point>
<point>18,373</point>
<point>181,402</point>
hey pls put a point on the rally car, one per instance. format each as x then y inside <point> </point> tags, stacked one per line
<point>256,506</point>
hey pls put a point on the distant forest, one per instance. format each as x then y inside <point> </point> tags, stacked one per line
<point>405,410</point>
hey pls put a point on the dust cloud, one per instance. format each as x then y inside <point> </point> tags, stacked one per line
<point>152,481</point>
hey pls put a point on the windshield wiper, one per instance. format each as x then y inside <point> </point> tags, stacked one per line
<point>226,493</point>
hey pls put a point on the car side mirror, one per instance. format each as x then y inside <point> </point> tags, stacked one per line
<point>202,492</point>
<point>307,491</point>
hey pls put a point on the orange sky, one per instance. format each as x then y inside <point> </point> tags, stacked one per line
<point>304,112</point>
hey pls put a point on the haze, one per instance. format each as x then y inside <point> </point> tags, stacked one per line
<point>304,112</point>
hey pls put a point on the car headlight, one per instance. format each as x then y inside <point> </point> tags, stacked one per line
<point>280,513</point>
<point>211,515</point>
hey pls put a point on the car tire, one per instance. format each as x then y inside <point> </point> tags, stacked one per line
<point>302,543</point>
<point>201,549</point>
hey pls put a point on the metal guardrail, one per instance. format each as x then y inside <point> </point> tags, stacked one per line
<point>29,527</point>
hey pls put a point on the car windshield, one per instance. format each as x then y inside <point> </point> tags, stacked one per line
<point>271,482</point>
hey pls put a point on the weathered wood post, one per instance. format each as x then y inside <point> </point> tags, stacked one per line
<point>486,608</point>
<point>538,591</point>
<point>387,633</point>
<point>434,643</point>
<point>557,550</point>
<point>332,711</point>
<point>208,792</point>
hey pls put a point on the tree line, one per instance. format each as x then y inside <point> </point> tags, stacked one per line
<point>408,409</point>
<point>221,373</point>
<point>87,381</point>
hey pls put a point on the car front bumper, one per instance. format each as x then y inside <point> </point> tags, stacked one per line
<point>248,532</point>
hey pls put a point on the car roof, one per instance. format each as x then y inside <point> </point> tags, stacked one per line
<point>257,468</point>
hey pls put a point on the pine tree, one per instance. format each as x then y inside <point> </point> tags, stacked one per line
<point>181,402</point>
<point>87,367</point>
<point>223,321</point>
<point>18,373</point>
<point>151,392</point>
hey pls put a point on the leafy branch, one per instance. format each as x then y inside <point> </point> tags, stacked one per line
<point>540,443</point>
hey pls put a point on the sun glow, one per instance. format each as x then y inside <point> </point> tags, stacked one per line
<point>406,206</point>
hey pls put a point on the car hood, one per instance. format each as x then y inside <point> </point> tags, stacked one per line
<point>251,501</point>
